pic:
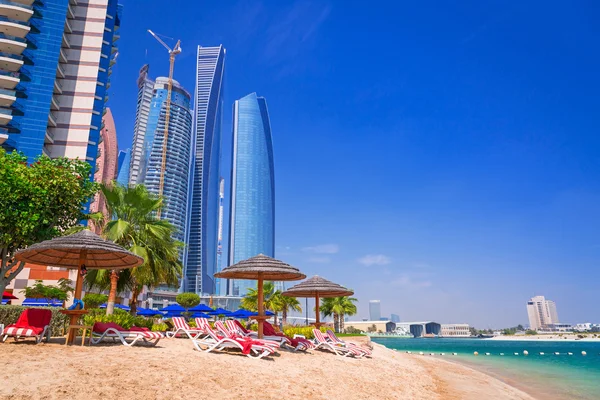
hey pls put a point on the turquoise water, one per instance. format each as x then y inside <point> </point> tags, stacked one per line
<point>547,376</point>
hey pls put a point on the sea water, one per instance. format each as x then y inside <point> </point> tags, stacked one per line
<point>547,376</point>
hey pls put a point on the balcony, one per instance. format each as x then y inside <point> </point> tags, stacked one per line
<point>49,137</point>
<point>57,87</point>
<point>16,11</point>
<point>28,3</point>
<point>65,42</point>
<point>68,27</point>
<point>5,116</point>
<point>52,118</point>
<point>3,136</point>
<point>70,13</point>
<point>13,27</point>
<point>60,71</point>
<point>73,2</point>
<point>54,104</point>
<point>9,80</point>
<point>46,150</point>
<point>7,97</point>
<point>62,57</point>
<point>12,44</point>
<point>10,62</point>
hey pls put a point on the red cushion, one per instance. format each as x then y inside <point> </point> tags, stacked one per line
<point>35,319</point>
<point>101,327</point>
<point>138,329</point>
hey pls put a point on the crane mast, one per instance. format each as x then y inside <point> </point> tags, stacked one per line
<point>172,54</point>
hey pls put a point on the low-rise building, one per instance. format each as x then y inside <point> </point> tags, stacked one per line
<point>456,330</point>
<point>421,329</point>
<point>371,326</point>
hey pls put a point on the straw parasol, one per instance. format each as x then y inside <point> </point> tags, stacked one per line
<point>82,250</point>
<point>317,287</point>
<point>261,268</point>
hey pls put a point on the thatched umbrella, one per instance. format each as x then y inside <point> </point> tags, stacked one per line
<point>261,268</point>
<point>317,287</point>
<point>82,250</point>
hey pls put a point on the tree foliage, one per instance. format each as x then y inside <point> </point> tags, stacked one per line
<point>94,300</point>
<point>187,300</point>
<point>134,226</point>
<point>285,304</point>
<point>40,291</point>
<point>338,307</point>
<point>38,202</point>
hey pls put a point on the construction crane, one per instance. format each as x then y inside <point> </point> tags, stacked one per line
<point>172,54</point>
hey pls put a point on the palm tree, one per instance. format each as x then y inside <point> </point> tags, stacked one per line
<point>338,307</point>
<point>270,298</point>
<point>134,226</point>
<point>285,304</point>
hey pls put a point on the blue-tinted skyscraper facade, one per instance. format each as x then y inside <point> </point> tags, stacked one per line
<point>201,258</point>
<point>252,215</point>
<point>123,167</point>
<point>57,56</point>
<point>175,178</point>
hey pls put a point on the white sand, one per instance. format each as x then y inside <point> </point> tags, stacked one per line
<point>173,370</point>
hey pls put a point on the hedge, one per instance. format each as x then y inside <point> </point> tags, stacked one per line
<point>10,314</point>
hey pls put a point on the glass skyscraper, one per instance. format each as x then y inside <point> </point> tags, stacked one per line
<point>55,64</point>
<point>252,215</point>
<point>201,258</point>
<point>123,167</point>
<point>142,110</point>
<point>175,187</point>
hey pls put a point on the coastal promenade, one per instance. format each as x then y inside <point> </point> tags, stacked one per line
<point>173,370</point>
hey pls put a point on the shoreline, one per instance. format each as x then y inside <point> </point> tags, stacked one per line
<point>173,369</point>
<point>544,338</point>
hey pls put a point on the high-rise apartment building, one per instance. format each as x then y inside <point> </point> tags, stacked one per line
<point>542,313</point>
<point>145,90</point>
<point>106,162</point>
<point>252,215</point>
<point>55,62</point>
<point>201,258</point>
<point>221,284</point>
<point>175,177</point>
<point>374,310</point>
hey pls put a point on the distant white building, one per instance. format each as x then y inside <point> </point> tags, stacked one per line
<point>542,313</point>
<point>456,330</point>
<point>375,310</point>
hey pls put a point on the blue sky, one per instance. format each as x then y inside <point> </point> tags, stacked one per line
<point>441,158</point>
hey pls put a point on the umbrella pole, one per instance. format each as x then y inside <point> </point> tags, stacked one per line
<point>318,314</point>
<point>77,293</point>
<point>261,310</point>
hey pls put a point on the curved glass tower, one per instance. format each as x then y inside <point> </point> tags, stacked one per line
<point>200,264</point>
<point>175,188</point>
<point>252,215</point>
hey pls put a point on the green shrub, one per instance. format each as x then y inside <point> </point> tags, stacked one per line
<point>119,317</point>
<point>10,315</point>
<point>159,327</point>
<point>531,332</point>
<point>94,300</point>
<point>187,300</point>
<point>306,331</point>
<point>352,331</point>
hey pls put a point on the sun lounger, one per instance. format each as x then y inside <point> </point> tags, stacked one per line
<point>322,343</point>
<point>234,326</point>
<point>181,326</point>
<point>110,330</point>
<point>33,322</point>
<point>249,347</point>
<point>334,339</point>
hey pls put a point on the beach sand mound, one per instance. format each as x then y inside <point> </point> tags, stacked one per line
<point>174,370</point>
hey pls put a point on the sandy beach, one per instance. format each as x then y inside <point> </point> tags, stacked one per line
<point>174,370</point>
